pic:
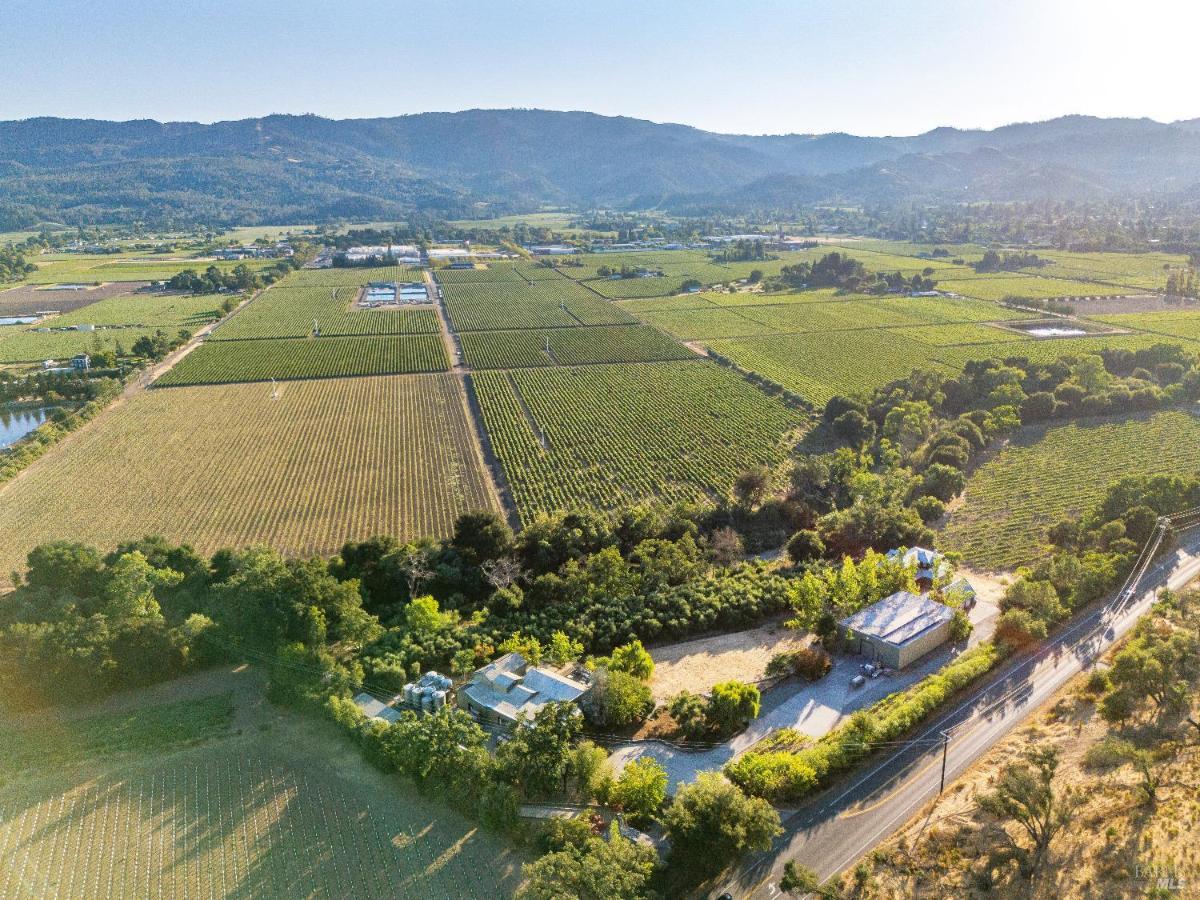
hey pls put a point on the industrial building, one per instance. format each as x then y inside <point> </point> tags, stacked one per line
<point>899,629</point>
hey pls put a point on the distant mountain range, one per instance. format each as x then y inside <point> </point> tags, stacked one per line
<point>305,168</point>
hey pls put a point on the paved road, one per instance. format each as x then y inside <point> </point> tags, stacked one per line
<point>848,820</point>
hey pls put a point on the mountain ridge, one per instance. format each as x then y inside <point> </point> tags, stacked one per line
<point>248,170</point>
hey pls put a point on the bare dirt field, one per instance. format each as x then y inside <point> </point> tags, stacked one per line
<point>699,664</point>
<point>31,298</point>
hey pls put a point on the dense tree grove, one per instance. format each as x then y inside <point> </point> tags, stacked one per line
<point>241,278</point>
<point>838,270</point>
<point>13,265</point>
<point>994,261</point>
<point>905,448</point>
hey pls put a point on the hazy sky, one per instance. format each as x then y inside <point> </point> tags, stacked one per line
<point>752,66</point>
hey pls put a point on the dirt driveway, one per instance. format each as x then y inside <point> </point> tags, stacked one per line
<point>699,664</point>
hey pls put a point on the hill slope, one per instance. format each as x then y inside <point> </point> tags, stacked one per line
<point>305,167</point>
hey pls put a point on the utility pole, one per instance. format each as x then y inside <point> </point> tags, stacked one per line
<point>945,750</point>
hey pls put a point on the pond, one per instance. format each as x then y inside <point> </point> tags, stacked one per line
<point>1054,331</point>
<point>17,320</point>
<point>16,423</point>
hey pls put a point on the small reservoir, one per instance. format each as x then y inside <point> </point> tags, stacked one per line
<point>1045,331</point>
<point>16,423</point>
<point>17,320</point>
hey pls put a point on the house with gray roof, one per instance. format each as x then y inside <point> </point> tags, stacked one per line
<point>509,689</point>
<point>899,629</point>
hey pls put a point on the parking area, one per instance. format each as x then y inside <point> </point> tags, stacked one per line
<point>810,708</point>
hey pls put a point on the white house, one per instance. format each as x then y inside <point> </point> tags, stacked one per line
<point>507,689</point>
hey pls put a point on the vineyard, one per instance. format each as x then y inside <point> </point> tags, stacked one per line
<point>223,362</point>
<point>327,461</point>
<point>288,311</point>
<point>234,824</point>
<point>819,366</point>
<point>569,346</point>
<point>1183,324</point>
<point>491,306</point>
<point>167,800</point>
<point>997,287</point>
<point>1047,474</point>
<point>34,346</point>
<point>158,310</point>
<point>601,436</point>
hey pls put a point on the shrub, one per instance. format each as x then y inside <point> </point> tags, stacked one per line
<point>732,705</point>
<point>1098,683</point>
<point>1019,628</point>
<point>809,662</point>
<point>805,546</point>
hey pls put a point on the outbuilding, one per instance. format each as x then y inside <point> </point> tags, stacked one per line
<point>899,629</point>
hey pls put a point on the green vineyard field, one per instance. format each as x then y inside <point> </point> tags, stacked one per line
<point>1049,473</point>
<point>601,436</point>
<point>569,346</point>
<point>327,461</point>
<point>287,311</point>
<point>222,362</point>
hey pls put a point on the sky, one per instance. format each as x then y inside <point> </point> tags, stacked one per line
<point>745,66</point>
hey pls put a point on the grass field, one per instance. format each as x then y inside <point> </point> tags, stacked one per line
<point>75,267</point>
<point>1048,473</point>
<point>601,436</point>
<point>282,807</point>
<point>224,362</point>
<point>120,319</point>
<point>328,461</point>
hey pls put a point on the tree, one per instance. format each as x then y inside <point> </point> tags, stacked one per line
<point>633,659</point>
<point>690,712</point>
<point>480,536</point>
<point>1018,628</point>
<point>422,615</point>
<point>854,428</point>
<point>711,823</point>
<point>805,546</point>
<point>752,486</point>
<point>1025,794</point>
<point>732,705</point>
<point>617,699</point>
<point>599,870</point>
<point>537,754</point>
<point>725,545</point>
<point>563,648</point>
<point>587,768</point>
<point>641,789</point>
